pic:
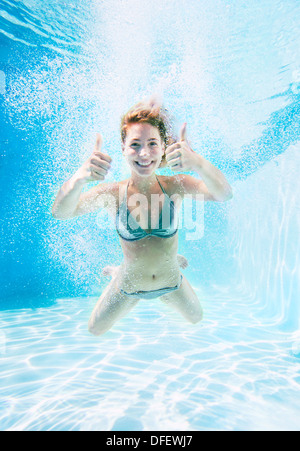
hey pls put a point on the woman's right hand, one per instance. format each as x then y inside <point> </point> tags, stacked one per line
<point>96,166</point>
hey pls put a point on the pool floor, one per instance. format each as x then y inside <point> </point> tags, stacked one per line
<point>152,371</point>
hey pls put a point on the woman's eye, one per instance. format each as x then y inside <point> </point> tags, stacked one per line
<point>136,145</point>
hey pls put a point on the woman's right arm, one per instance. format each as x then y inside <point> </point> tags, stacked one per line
<point>69,201</point>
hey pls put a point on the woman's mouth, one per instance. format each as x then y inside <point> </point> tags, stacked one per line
<point>144,165</point>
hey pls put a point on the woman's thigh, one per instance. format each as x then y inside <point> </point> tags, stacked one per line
<point>110,307</point>
<point>185,301</point>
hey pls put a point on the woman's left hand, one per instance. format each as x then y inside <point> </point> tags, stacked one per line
<point>179,156</point>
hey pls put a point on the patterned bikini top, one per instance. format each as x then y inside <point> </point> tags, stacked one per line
<point>128,228</point>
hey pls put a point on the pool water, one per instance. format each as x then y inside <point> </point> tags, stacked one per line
<point>232,73</point>
<point>150,372</point>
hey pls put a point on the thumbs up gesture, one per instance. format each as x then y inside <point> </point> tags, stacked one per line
<point>179,156</point>
<point>97,165</point>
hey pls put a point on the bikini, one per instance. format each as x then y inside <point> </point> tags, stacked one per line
<point>129,230</point>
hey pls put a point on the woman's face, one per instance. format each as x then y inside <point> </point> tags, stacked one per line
<point>143,148</point>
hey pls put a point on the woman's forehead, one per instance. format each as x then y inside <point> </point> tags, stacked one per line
<point>140,130</point>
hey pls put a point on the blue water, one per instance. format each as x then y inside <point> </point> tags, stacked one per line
<point>231,71</point>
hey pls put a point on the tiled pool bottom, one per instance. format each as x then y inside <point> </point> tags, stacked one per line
<point>152,372</point>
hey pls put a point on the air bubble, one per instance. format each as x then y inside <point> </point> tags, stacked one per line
<point>2,82</point>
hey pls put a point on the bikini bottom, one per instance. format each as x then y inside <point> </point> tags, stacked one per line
<point>153,293</point>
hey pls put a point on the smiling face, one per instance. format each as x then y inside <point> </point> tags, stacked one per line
<point>143,148</point>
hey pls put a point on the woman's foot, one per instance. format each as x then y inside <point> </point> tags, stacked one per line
<point>183,262</point>
<point>110,271</point>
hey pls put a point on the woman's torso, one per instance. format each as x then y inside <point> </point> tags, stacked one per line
<point>149,263</point>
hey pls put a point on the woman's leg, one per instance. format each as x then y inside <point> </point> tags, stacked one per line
<point>185,301</point>
<point>111,306</point>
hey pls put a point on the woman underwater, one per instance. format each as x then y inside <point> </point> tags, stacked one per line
<point>151,266</point>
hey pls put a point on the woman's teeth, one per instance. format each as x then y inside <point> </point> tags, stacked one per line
<point>144,165</point>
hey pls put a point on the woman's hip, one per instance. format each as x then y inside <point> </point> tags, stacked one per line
<point>152,294</point>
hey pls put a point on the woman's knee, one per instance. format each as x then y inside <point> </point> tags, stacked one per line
<point>196,317</point>
<point>97,329</point>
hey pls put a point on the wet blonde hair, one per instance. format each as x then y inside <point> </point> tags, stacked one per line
<point>152,112</point>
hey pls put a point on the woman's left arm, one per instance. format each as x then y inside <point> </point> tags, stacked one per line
<point>180,157</point>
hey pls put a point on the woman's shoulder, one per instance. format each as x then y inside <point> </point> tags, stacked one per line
<point>172,183</point>
<point>110,188</point>
<point>116,185</point>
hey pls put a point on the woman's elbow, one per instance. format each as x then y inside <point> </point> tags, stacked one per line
<point>224,197</point>
<point>60,217</point>
<point>228,195</point>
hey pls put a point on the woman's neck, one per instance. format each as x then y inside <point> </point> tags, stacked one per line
<point>143,184</point>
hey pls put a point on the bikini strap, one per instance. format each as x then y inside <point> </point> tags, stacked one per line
<point>124,200</point>
<point>160,185</point>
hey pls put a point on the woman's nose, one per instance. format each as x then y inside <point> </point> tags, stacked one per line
<point>144,151</point>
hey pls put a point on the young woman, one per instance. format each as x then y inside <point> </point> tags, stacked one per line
<point>151,266</point>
